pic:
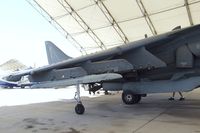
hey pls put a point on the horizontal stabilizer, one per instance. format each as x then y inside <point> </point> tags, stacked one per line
<point>79,80</point>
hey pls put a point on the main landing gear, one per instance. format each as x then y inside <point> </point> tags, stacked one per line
<point>79,108</point>
<point>128,97</point>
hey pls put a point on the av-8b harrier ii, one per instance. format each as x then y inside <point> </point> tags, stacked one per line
<point>164,63</point>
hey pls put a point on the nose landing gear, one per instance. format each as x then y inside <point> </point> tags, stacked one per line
<point>130,98</point>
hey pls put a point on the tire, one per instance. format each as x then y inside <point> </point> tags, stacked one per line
<point>79,109</point>
<point>129,97</point>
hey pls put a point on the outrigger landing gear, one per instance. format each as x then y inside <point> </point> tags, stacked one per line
<point>79,108</point>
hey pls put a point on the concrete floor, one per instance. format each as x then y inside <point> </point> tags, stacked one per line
<point>106,114</point>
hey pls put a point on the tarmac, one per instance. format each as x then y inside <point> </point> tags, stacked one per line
<point>106,114</point>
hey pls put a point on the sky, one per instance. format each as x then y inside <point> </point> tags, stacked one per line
<point>23,32</point>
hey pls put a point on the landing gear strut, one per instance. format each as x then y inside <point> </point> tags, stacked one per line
<point>79,108</point>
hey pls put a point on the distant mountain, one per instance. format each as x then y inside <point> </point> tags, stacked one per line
<point>12,65</point>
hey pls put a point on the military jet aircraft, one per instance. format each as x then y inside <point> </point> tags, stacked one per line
<point>164,63</point>
<point>8,84</point>
<point>11,85</point>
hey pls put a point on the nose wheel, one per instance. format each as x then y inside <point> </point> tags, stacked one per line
<point>79,108</point>
<point>130,98</point>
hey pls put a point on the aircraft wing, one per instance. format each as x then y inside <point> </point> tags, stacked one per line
<point>16,76</point>
<point>113,53</point>
<point>79,80</point>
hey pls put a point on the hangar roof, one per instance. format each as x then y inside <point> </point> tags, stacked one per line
<point>93,25</point>
<point>12,65</point>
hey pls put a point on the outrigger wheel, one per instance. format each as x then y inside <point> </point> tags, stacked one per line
<point>79,108</point>
<point>128,97</point>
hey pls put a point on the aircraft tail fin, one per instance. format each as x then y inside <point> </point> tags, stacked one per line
<point>54,54</point>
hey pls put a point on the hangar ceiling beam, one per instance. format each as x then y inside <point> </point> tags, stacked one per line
<point>82,23</point>
<point>188,12</point>
<point>146,16</point>
<point>174,8</point>
<point>158,12</point>
<point>56,25</point>
<point>112,21</point>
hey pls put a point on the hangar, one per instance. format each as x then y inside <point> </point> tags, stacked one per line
<point>94,25</point>
<point>97,25</point>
